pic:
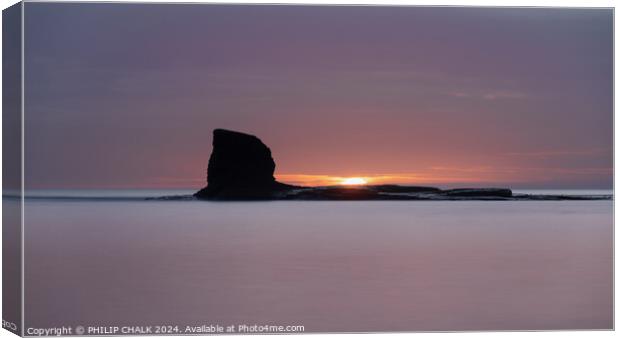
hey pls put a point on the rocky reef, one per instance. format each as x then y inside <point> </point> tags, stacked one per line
<point>241,168</point>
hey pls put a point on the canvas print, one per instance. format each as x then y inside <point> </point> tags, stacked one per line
<point>222,168</point>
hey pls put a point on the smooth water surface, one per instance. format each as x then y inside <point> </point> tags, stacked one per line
<point>330,266</point>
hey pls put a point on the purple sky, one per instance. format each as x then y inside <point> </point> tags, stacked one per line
<point>126,95</point>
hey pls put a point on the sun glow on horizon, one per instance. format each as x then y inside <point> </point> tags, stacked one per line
<point>353,181</point>
<point>443,176</point>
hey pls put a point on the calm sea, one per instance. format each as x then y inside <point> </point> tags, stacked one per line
<point>329,266</point>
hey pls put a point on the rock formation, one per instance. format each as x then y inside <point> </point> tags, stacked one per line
<point>240,167</point>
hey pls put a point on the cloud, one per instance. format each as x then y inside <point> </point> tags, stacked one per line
<point>489,95</point>
<point>556,153</point>
<point>503,94</point>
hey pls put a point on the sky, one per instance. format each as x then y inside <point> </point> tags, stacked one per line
<point>127,95</point>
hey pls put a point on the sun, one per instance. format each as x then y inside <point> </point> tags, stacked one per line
<point>353,181</point>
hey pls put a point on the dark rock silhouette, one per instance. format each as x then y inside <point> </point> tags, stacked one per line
<point>240,167</point>
<point>335,193</point>
<point>498,192</point>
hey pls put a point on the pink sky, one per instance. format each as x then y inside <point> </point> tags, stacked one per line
<point>438,96</point>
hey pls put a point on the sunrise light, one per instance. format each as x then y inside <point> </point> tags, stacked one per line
<point>353,181</point>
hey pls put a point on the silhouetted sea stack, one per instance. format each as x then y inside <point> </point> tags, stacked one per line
<point>240,167</point>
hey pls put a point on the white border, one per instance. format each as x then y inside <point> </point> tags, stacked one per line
<point>23,184</point>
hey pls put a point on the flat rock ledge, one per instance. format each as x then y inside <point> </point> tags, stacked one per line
<point>416,193</point>
<point>390,193</point>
